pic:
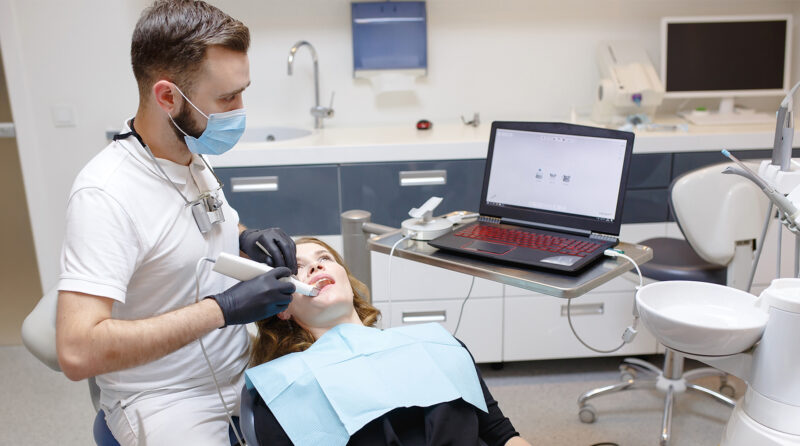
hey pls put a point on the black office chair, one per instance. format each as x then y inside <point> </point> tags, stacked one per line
<point>720,216</point>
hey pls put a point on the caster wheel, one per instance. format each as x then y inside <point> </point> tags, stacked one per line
<point>727,390</point>
<point>587,413</point>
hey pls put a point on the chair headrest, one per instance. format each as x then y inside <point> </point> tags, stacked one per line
<point>715,210</point>
<point>39,330</point>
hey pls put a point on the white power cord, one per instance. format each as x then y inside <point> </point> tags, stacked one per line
<point>205,354</point>
<point>461,312</point>
<point>630,332</point>
<point>389,291</point>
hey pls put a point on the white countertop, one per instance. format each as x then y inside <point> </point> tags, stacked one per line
<point>340,145</point>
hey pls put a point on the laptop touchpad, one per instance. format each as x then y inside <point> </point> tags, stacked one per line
<point>494,248</point>
<point>562,260</point>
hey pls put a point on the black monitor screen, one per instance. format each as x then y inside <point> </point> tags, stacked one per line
<point>719,56</point>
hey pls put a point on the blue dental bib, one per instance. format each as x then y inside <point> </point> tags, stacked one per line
<point>355,374</point>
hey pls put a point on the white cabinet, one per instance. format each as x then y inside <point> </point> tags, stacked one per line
<point>481,327</point>
<point>504,323</point>
<point>535,325</point>
<point>412,280</point>
<point>422,293</point>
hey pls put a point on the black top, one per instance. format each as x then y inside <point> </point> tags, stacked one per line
<point>452,423</point>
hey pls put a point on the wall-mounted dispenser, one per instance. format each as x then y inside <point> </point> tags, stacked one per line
<point>390,43</point>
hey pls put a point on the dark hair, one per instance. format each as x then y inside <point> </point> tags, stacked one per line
<point>277,337</point>
<point>171,38</point>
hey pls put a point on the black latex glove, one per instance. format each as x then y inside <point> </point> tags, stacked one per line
<point>281,248</point>
<point>256,299</point>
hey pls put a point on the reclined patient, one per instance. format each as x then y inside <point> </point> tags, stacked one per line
<point>325,375</point>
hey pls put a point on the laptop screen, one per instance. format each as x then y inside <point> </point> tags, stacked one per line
<point>554,174</point>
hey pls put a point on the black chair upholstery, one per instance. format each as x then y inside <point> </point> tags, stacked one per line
<point>674,259</point>
<point>246,417</point>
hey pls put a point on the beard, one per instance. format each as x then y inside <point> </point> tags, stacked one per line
<point>185,121</point>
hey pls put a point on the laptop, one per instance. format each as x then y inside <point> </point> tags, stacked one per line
<point>552,196</point>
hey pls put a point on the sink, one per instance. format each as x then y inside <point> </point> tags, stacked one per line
<point>701,318</point>
<point>270,134</point>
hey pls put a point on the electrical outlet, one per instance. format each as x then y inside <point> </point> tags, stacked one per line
<point>63,115</point>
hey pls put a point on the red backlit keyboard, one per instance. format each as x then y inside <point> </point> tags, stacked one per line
<point>534,240</point>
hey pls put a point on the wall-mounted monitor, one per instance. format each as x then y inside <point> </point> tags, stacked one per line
<point>726,57</point>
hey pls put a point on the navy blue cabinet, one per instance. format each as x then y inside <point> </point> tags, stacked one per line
<point>390,190</point>
<point>302,200</point>
<point>650,171</point>
<point>308,200</point>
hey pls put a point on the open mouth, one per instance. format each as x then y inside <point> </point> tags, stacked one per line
<point>323,282</point>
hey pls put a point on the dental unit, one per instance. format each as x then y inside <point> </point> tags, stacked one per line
<point>753,338</point>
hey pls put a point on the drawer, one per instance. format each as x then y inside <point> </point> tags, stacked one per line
<point>417,281</point>
<point>390,190</point>
<point>646,206</point>
<point>302,200</point>
<point>536,327</point>
<point>650,170</point>
<point>481,327</point>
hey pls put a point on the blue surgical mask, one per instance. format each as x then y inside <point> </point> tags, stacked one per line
<point>221,134</point>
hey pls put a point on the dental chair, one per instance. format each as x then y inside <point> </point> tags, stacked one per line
<point>720,216</point>
<point>247,424</point>
<point>39,337</point>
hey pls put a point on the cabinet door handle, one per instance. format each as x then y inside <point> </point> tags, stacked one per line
<point>423,177</point>
<point>254,184</point>
<point>583,309</point>
<point>411,317</point>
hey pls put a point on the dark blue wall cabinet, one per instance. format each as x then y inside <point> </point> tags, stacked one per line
<point>389,36</point>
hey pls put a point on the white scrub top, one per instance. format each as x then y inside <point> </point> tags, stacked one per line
<point>131,238</point>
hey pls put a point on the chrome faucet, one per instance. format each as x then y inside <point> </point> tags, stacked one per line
<point>318,112</point>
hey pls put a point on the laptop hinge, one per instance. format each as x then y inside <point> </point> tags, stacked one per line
<point>486,219</point>
<point>556,228</point>
<point>603,237</point>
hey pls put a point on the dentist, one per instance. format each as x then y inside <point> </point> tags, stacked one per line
<point>141,214</point>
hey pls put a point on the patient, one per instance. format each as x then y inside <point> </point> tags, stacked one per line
<point>342,300</point>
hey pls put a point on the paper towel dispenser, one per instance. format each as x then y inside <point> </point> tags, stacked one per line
<point>389,36</point>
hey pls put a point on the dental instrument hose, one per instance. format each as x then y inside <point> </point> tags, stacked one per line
<point>205,354</point>
<point>630,331</point>
<point>760,247</point>
<point>787,211</point>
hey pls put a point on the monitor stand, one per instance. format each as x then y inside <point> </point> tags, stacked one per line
<point>728,115</point>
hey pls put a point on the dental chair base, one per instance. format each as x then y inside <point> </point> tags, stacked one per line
<point>743,430</point>
<point>671,380</point>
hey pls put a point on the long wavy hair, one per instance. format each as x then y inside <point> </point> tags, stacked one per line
<point>277,337</point>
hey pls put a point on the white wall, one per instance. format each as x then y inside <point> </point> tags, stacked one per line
<point>509,59</point>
